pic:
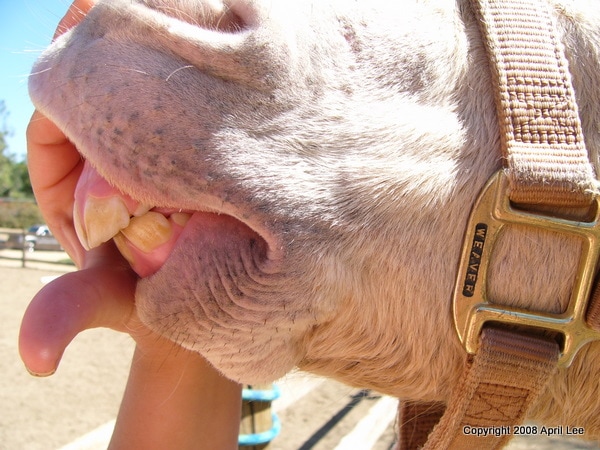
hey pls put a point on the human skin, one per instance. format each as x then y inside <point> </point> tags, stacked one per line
<point>174,398</point>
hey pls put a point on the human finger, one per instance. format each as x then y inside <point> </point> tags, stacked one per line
<point>100,295</point>
<point>54,168</point>
<point>54,163</point>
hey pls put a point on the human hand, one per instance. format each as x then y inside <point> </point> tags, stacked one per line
<point>101,294</point>
<point>173,396</point>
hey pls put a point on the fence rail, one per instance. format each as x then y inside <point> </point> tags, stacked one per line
<point>30,250</point>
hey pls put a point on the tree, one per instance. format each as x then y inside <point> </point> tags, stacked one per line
<point>21,182</point>
<point>14,177</point>
<point>17,205</point>
<point>6,162</point>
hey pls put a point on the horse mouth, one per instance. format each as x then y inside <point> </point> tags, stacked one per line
<point>145,235</point>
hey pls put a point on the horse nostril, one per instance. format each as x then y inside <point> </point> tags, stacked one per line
<point>209,14</point>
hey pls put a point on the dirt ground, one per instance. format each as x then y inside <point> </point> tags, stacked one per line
<point>48,413</point>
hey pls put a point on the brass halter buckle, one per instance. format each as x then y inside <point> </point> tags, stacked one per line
<point>471,307</point>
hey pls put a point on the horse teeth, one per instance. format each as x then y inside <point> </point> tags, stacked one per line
<point>148,231</point>
<point>102,219</point>
<point>141,210</point>
<point>180,218</point>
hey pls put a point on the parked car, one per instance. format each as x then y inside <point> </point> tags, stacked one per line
<point>38,237</point>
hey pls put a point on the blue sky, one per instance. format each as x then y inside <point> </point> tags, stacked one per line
<point>26,29</point>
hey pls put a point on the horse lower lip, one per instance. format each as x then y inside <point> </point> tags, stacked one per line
<point>202,232</point>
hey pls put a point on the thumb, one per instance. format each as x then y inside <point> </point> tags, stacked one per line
<point>95,297</point>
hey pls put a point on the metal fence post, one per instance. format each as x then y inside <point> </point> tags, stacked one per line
<point>23,247</point>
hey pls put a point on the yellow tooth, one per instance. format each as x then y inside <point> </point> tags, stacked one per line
<point>141,210</point>
<point>148,231</point>
<point>79,227</point>
<point>180,218</point>
<point>102,219</point>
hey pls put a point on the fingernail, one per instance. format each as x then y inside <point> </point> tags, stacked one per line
<point>40,375</point>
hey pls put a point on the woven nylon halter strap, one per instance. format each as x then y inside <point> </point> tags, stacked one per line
<point>540,130</point>
<point>548,168</point>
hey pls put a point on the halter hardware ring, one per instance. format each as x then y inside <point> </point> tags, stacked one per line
<point>471,307</point>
